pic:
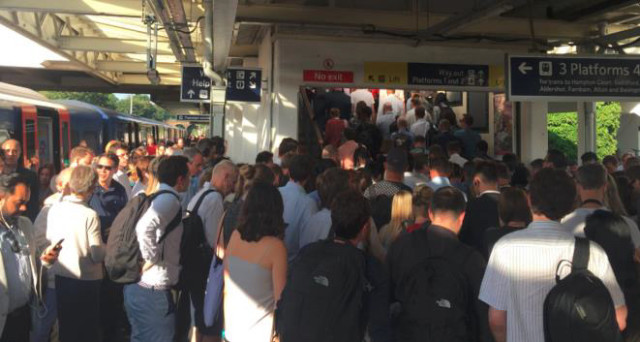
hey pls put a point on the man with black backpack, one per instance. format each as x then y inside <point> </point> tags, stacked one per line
<point>526,265</point>
<point>435,278</point>
<point>325,297</point>
<point>149,304</point>
<point>204,213</point>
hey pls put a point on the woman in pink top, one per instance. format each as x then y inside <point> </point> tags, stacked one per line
<point>334,128</point>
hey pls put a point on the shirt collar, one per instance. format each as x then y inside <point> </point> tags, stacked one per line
<point>489,192</point>
<point>546,225</point>
<point>73,199</point>
<point>444,231</point>
<point>293,185</point>
<point>164,186</point>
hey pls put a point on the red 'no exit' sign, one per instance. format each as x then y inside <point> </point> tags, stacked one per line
<point>328,76</point>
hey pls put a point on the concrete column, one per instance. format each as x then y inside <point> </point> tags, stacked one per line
<point>629,131</point>
<point>586,127</point>
<point>533,130</point>
<point>216,121</point>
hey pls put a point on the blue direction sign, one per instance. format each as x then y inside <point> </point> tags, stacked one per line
<point>244,85</point>
<point>196,86</point>
<point>193,118</point>
<point>571,78</point>
<point>452,75</point>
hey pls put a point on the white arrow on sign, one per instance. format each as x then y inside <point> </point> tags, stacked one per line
<point>524,68</point>
<point>191,93</point>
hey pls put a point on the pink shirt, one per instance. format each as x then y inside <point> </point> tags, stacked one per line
<point>345,153</point>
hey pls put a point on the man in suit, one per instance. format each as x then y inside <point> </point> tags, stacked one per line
<point>482,211</point>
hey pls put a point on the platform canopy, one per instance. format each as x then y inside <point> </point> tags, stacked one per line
<point>105,42</point>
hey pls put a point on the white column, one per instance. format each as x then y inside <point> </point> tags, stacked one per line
<point>216,123</point>
<point>629,131</point>
<point>586,127</point>
<point>533,130</point>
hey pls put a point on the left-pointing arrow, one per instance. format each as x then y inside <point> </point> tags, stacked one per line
<point>524,68</point>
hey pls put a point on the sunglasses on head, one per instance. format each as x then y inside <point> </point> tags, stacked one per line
<point>100,166</point>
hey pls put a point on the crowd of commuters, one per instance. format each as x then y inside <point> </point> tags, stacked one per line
<point>405,229</point>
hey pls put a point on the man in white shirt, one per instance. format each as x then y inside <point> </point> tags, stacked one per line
<point>523,264</point>
<point>149,303</point>
<point>363,95</point>
<point>396,103</point>
<point>410,116</point>
<point>210,211</point>
<point>592,182</point>
<point>454,148</point>
<point>420,126</point>
<point>123,167</point>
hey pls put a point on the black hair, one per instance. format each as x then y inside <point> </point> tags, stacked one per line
<point>536,163</point>
<point>330,183</point>
<point>349,214</point>
<point>420,112</point>
<point>448,199</point>
<point>552,193</point>
<point>592,176</point>
<point>9,182</point>
<point>482,146</point>
<point>610,160</point>
<point>261,213</point>
<point>589,157</point>
<point>557,158</point>
<point>441,165</point>
<point>350,133</point>
<point>204,146</point>
<point>520,177</point>
<point>513,206</point>
<point>511,160</point>
<point>288,145</point>
<point>112,157</point>
<point>264,157</point>
<point>217,146</point>
<point>171,168</point>
<point>488,171</point>
<point>300,167</point>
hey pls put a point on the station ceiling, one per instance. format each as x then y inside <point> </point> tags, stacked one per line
<point>105,42</point>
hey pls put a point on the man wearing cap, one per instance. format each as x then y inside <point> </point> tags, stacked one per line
<point>380,195</point>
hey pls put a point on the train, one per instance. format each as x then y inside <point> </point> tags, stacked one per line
<point>49,129</point>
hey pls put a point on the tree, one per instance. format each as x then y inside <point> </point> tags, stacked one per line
<point>142,106</point>
<point>563,130</point>
<point>99,99</point>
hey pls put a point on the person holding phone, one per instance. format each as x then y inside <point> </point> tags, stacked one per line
<point>18,272</point>
<point>75,228</point>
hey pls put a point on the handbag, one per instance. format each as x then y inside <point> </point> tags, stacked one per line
<point>215,284</point>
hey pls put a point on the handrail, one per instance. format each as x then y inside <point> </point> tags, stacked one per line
<point>310,112</point>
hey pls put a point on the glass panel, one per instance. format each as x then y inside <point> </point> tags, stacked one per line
<point>30,131</point>
<point>65,143</point>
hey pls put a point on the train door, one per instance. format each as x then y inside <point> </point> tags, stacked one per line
<point>65,138</point>
<point>29,122</point>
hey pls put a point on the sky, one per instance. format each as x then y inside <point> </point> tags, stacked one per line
<point>24,52</point>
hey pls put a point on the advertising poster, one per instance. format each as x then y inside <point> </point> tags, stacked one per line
<point>503,125</point>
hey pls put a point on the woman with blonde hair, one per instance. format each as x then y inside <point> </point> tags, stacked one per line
<point>612,197</point>
<point>401,214</point>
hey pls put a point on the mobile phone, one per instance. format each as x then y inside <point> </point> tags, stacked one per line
<point>58,246</point>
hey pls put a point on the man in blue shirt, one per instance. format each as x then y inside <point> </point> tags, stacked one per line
<point>109,197</point>
<point>298,207</point>
<point>468,136</point>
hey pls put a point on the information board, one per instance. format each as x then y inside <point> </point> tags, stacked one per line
<point>447,75</point>
<point>573,78</point>
<point>193,118</point>
<point>195,85</point>
<point>244,85</point>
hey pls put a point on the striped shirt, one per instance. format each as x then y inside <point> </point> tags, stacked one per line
<point>521,272</point>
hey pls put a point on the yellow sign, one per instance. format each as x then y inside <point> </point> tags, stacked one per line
<point>496,76</point>
<point>385,72</point>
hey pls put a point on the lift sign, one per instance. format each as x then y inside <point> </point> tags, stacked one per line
<point>573,78</point>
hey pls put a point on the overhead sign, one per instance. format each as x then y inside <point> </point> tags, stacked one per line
<point>327,76</point>
<point>569,78</point>
<point>244,85</point>
<point>193,118</point>
<point>385,73</point>
<point>196,86</point>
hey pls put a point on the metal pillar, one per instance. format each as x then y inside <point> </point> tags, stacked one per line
<point>216,119</point>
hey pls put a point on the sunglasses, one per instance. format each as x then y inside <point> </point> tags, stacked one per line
<point>100,166</point>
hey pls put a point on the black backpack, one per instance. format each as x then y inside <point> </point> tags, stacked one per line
<point>435,299</point>
<point>324,297</point>
<point>195,252</point>
<point>123,260</point>
<point>579,307</point>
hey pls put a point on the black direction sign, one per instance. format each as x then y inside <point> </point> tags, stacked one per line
<point>196,86</point>
<point>573,78</point>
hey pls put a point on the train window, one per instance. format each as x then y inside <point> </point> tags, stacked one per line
<point>30,138</point>
<point>4,135</point>
<point>64,149</point>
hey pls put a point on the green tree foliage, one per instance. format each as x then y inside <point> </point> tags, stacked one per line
<point>563,130</point>
<point>142,105</point>
<point>99,99</point>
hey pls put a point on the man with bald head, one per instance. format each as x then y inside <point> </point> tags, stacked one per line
<point>210,199</point>
<point>12,152</point>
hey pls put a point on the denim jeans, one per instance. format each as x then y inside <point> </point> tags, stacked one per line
<point>151,314</point>
<point>45,318</point>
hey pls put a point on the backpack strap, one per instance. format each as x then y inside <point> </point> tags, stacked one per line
<point>200,200</point>
<point>580,255</point>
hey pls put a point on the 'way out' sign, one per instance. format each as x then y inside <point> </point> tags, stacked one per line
<point>196,86</point>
